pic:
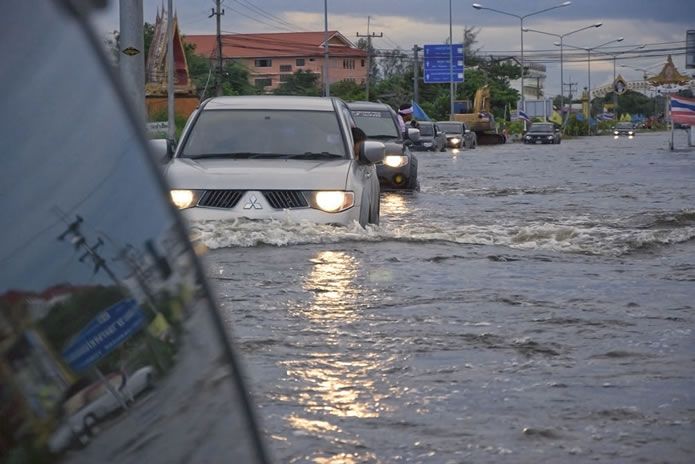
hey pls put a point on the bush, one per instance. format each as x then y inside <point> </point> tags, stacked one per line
<point>163,115</point>
<point>574,127</point>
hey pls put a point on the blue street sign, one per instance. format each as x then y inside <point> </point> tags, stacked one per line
<point>440,77</point>
<point>438,66</point>
<point>442,50</point>
<point>443,64</point>
<point>103,334</point>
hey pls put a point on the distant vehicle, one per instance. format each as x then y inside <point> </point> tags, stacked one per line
<point>90,405</point>
<point>480,119</point>
<point>432,138</point>
<point>380,122</point>
<point>458,135</point>
<point>624,128</point>
<point>543,132</point>
<point>273,157</point>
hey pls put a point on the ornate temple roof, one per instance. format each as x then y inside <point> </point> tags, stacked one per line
<point>669,75</point>
<point>156,68</point>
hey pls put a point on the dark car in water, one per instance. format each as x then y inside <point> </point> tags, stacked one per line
<point>543,132</point>
<point>458,135</point>
<point>399,169</point>
<point>624,129</point>
<point>432,138</point>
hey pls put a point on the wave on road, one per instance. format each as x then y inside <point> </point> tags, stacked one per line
<point>573,235</point>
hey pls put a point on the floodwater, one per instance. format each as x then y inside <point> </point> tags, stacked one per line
<point>531,304</point>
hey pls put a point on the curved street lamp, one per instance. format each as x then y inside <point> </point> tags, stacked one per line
<point>645,73</point>
<point>562,37</point>
<point>588,62</point>
<point>521,18</point>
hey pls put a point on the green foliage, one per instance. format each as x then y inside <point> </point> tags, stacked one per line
<point>300,83</point>
<point>515,127</point>
<point>395,90</point>
<point>149,35</point>
<point>68,317</point>
<point>236,80</point>
<point>575,127</point>
<point>349,90</point>
<point>163,115</point>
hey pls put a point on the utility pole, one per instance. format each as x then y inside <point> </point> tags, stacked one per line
<point>572,86</point>
<point>217,12</point>
<point>416,77</point>
<point>171,92</point>
<point>91,251</point>
<point>369,52</point>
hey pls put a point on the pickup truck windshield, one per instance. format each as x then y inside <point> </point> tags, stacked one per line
<point>264,134</point>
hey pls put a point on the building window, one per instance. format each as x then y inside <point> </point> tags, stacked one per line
<point>348,63</point>
<point>363,63</point>
<point>263,82</point>
<point>285,77</point>
<point>300,62</point>
<point>285,68</point>
<point>264,62</point>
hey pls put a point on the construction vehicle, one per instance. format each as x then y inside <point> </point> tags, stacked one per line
<point>481,121</point>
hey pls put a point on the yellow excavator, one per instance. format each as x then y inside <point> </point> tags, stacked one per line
<point>481,121</point>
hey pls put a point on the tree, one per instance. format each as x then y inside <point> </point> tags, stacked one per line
<point>300,83</point>
<point>373,70</point>
<point>393,63</point>
<point>349,90</point>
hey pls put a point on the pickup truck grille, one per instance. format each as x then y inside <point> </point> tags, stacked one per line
<point>285,199</point>
<point>226,199</point>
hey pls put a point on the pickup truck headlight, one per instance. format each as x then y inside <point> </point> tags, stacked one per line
<point>183,199</point>
<point>395,161</point>
<point>332,201</point>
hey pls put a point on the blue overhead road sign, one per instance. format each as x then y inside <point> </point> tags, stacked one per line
<point>442,50</point>
<point>438,64</point>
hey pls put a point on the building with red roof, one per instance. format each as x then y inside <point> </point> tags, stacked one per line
<point>272,57</point>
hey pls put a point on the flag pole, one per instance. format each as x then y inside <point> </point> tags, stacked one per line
<point>670,115</point>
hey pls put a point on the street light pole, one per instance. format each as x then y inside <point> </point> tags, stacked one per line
<point>562,37</point>
<point>521,18</point>
<point>589,50</point>
<point>451,67</point>
<point>327,86</point>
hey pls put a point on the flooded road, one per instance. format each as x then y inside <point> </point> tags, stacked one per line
<point>530,304</point>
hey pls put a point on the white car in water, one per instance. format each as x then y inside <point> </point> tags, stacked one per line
<point>86,408</point>
<point>271,157</point>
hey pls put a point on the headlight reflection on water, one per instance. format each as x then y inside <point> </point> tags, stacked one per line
<point>394,204</point>
<point>330,379</point>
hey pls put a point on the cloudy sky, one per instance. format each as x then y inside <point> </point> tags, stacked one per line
<point>659,24</point>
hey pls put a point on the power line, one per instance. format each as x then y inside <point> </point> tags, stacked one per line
<point>267,14</point>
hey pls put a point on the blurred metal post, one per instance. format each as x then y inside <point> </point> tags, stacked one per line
<point>171,110</point>
<point>326,84</point>
<point>416,72</point>
<point>451,67</point>
<point>131,61</point>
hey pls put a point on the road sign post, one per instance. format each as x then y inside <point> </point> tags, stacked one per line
<point>438,66</point>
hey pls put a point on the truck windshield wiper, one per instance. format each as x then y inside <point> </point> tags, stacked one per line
<point>314,155</point>
<point>245,155</point>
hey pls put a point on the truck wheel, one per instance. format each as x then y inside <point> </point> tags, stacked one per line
<point>91,425</point>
